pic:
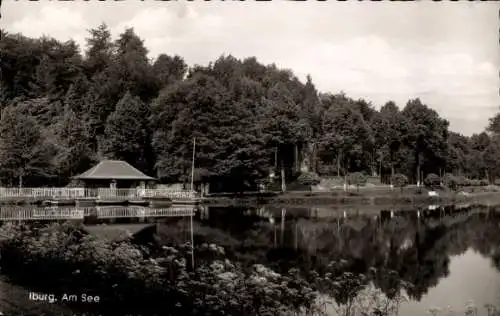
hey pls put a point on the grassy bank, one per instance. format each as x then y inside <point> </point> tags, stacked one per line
<point>366,196</point>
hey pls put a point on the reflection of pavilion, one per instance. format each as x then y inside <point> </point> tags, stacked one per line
<point>117,212</point>
<point>17,213</point>
<point>57,213</point>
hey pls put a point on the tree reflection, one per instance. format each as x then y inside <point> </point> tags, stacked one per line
<point>396,252</point>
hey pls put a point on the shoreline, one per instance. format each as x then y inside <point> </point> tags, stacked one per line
<point>330,198</point>
<point>313,198</point>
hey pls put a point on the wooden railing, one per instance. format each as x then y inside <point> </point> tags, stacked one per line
<point>99,193</point>
<point>55,213</point>
<point>114,212</point>
<point>21,213</point>
<point>44,192</point>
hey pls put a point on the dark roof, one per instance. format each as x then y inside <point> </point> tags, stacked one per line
<point>113,169</point>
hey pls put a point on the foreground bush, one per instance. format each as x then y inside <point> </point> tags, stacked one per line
<point>63,256</point>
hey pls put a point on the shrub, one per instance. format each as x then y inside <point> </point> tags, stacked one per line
<point>475,183</point>
<point>484,182</point>
<point>309,178</point>
<point>122,274</point>
<point>451,182</point>
<point>463,181</point>
<point>432,180</point>
<point>358,179</point>
<point>399,181</point>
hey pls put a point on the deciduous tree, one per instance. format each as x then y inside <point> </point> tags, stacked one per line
<point>24,153</point>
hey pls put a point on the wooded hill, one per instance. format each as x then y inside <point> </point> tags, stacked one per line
<point>63,110</point>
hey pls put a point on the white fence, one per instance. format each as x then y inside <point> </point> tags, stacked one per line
<point>99,193</point>
<point>115,212</point>
<point>44,192</point>
<point>16,213</point>
<point>48,213</point>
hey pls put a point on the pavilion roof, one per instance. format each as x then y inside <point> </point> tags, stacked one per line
<point>113,170</point>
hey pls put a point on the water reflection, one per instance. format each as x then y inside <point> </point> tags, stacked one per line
<point>104,222</point>
<point>436,256</point>
<point>20,213</point>
<point>399,250</point>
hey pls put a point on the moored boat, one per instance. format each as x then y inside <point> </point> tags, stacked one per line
<point>112,202</point>
<point>157,201</point>
<point>139,202</point>
<point>194,201</point>
<point>62,202</point>
<point>85,202</point>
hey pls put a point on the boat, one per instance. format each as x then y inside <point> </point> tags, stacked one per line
<point>111,202</point>
<point>158,201</point>
<point>85,202</point>
<point>139,202</point>
<point>194,201</point>
<point>62,202</point>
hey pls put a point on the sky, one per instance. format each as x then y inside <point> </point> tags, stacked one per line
<point>447,54</point>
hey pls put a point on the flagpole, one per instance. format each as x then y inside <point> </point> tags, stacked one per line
<point>191,217</point>
<point>192,165</point>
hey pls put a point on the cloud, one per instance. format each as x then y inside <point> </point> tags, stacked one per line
<point>179,30</point>
<point>351,51</point>
<point>371,67</point>
<point>55,21</point>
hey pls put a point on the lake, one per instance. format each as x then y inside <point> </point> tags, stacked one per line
<point>449,255</point>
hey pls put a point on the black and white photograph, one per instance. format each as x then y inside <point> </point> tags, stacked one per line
<point>249,158</point>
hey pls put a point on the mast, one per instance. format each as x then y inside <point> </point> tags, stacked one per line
<point>192,165</point>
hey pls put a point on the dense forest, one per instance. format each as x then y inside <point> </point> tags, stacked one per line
<point>63,110</point>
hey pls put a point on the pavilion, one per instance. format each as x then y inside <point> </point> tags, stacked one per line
<point>113,174</point>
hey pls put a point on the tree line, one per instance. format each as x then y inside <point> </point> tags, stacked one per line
<point>63,110</point>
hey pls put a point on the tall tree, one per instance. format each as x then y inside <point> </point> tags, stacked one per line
<point>128,69</point>
<point>99,50</point>
<point>228,140</point>
<point>345,132</point>
<point>60,66</point>
<point>24,154</point>
<point>169,70</point>
<point>127,133</point>
<point>494,124</point>
<point>131,69</point>
<point>20,57</point>
<point>73,152</point>
<point>387,127</point>
<point>480,141</point>
<point>284,127</point>
<point>491,161</point>
<point>312,111</point>
<point>458,149</point>
<point>426,135</point>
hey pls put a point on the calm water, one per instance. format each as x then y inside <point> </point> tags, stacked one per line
<point>450,255</point>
